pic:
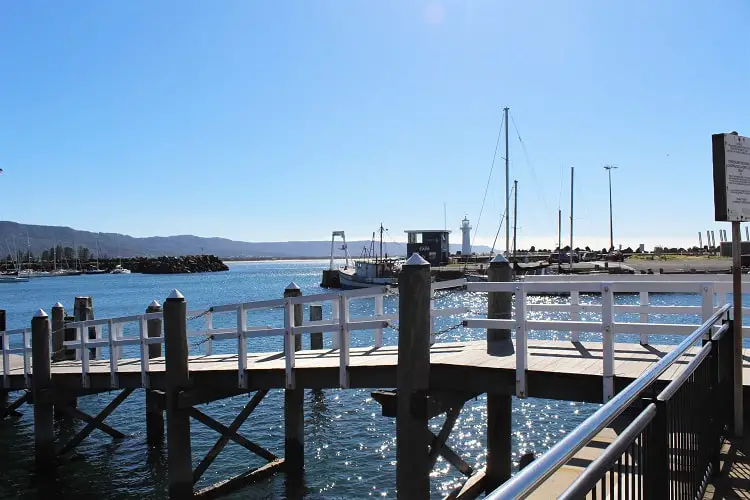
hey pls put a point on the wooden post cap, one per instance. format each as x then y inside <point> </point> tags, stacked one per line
<point>175,295</point>
<point>416,260</point>
<point>40,314</point>
<point>499,260</point>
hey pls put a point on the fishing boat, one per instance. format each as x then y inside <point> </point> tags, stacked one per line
<point>370,269</point>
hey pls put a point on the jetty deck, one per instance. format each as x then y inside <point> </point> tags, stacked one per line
<point>557,369</point>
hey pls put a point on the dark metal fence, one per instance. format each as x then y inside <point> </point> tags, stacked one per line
<point>671,448</point>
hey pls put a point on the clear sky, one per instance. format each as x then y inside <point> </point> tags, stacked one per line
<point>268,121</point>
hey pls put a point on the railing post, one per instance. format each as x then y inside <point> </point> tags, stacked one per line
<point>413,377</point>
<point>716,422</point>
<point>644,300</point>
<point>608,341</point>
<point>499,406</point>
<point>726,377</point>
<point>179,455</point>
<point>574,314</point>
<point>316,338</point>
<point>335,337</point>
<point>154,411</point>
<point>656,469</point>
<point>294,418</point>
<point>83,310</point>
<point>59,352</point>
<point>499,304</point>
<point>522,351</point>
<point>343,340</point>
<point>379,311</point>
<point>44,434</point>
<point>293,290</point>
<point>241,347</point>
<point>209,327</point>
<point>707,303</point>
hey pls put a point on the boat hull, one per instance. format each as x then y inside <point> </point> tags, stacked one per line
<point>13,280</point>
<point>350,281</point>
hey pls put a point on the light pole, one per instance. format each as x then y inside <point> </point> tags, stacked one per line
<point>609,168</point>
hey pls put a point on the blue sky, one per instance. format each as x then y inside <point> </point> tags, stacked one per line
<point>286,120</point>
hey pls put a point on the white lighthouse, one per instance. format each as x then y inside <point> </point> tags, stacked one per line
<point>466,240</point>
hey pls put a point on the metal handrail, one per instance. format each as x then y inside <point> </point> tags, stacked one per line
<point>531,477</point>
<point>589,477</point>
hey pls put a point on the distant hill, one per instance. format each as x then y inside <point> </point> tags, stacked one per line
<point>15,236</point>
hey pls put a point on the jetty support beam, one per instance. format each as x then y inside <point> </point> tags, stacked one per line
<point>229,433</point>
<point>294,417</point>
<point>179,453</point>
<point>413,376</point>
<point>499,406</point>
<point>154,410</point>
<point>93,422</point>
<point>10,410</point>
<point>44,433</point>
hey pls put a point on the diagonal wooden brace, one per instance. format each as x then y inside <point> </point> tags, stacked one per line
<point>438,446</point>
<point>94,422</point>
<point>438,443</point>
<point>10,410</point>
<point>229,433</point>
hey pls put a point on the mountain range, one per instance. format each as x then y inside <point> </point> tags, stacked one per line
<point>15,236</point>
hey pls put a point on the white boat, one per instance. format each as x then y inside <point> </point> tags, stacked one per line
<point>12,279</point>
<point>370,272</point>
<point>119,270</point>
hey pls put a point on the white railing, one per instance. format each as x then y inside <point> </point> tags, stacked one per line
<point>341,325</point>
<point>24,350</point>
<point>606,325</point>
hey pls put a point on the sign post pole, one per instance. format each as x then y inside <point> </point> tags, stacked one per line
<point>731,166</point>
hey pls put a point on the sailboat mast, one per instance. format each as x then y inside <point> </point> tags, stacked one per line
<point>559,237</point>
<point>571,218</point>
<point>507,186</point>
<point>381,241</point>
<point>515,216</point>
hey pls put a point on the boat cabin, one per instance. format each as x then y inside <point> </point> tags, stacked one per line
<point>432,245</point>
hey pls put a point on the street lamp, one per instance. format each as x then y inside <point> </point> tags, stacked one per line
<point>609,168</point>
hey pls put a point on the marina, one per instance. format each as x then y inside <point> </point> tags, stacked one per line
<point>579,368</point>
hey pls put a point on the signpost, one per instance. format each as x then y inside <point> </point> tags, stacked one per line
<point>731,162</point>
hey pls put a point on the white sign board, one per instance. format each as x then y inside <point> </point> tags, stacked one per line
<point>731,177</point>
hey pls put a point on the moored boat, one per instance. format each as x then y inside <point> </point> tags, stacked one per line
<point>370,270</point>
<point>119,270</point>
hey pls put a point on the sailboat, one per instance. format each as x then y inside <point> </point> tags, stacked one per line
<point>96,270</point>
<point>371,270</point>
<point>14,277</point>
<point>118,268</point>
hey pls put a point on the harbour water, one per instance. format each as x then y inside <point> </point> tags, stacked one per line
<point>349,447</point>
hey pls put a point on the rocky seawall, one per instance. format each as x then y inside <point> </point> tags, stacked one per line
<point>175,265</point>
<point>145,265</point>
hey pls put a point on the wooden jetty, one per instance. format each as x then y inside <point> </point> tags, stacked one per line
<point>416,380</point>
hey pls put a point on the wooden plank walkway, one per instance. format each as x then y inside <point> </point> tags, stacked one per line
<point>733,479</point>
<point>557,369</point>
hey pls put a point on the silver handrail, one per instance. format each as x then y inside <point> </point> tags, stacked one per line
<point>531,477</point>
